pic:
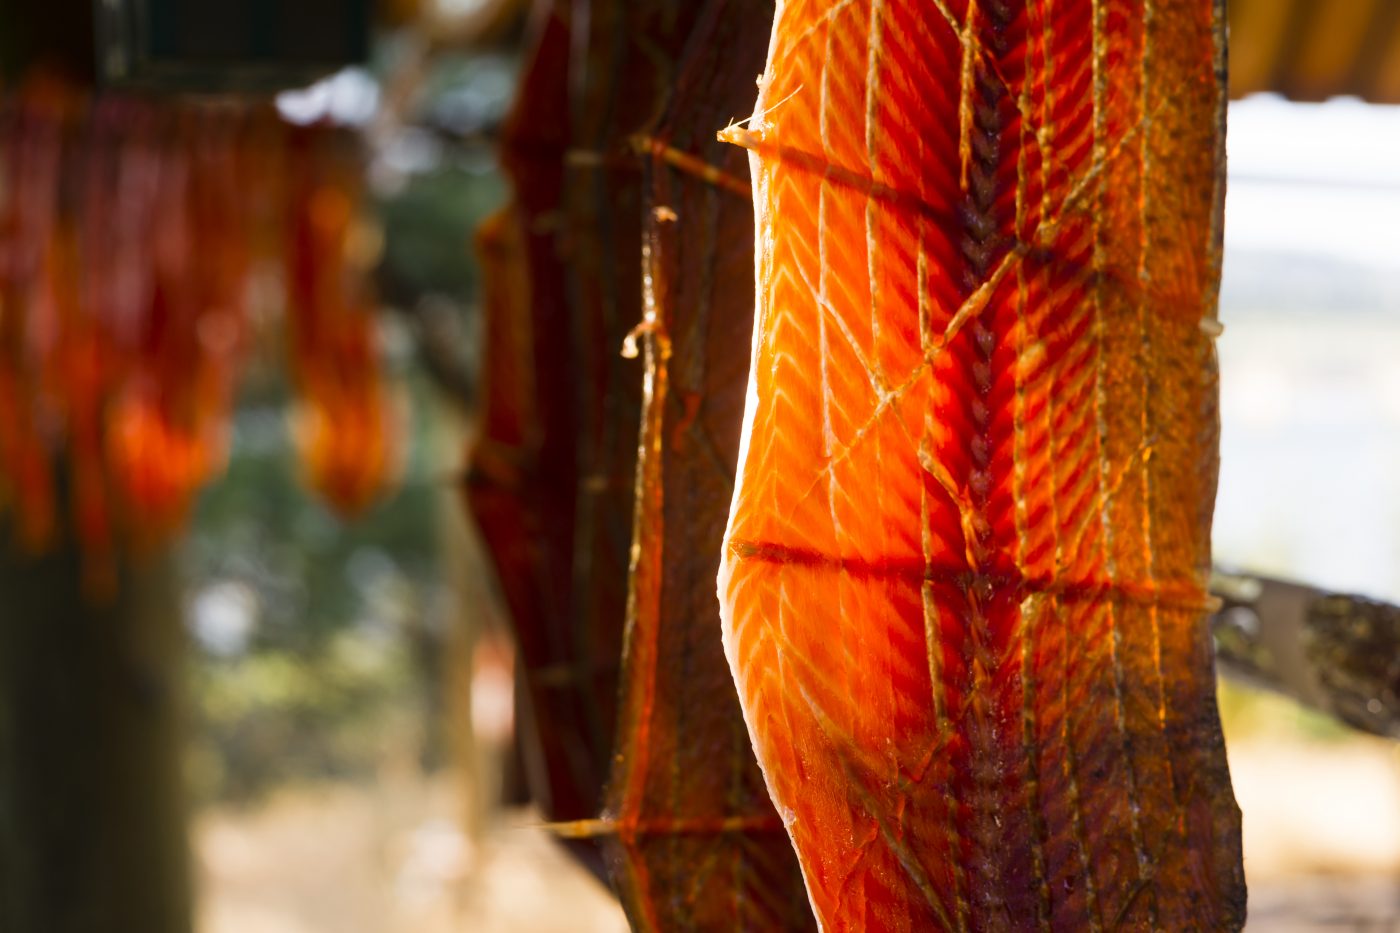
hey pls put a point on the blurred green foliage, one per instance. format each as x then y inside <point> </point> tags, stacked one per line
<point>314,638</point>
<point>1248,713</point>
<point>428,227</point>
<point>436,179</point>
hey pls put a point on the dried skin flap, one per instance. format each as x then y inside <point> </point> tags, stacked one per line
<point>964,576</point>
<point>552,480</point>
<point>565,593</point>
<point>694,839</point>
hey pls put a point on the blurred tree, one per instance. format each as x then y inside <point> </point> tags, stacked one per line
<point>306,628</point>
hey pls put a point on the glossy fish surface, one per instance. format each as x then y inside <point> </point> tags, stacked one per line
<point>963,582</point>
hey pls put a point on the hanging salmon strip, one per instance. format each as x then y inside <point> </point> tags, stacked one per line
<point>623,156</point>
<point>694,841</point>
<point>551,476</point>
<point>964,576</point>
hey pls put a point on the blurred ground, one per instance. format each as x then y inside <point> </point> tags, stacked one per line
<point>1322,850</point>
<point>388,858</point>
<point>1321,819</point>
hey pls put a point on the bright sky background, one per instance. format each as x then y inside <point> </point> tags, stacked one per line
<point>1317,178</point>
<point>1310,399</point>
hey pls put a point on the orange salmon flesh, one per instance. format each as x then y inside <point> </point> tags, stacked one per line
<point>963,581</point>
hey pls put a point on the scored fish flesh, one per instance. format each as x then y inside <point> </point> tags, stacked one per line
<point>964,578</point>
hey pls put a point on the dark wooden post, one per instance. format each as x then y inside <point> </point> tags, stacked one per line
<point>92,805</point>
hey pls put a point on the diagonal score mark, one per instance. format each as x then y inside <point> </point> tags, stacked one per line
<point>825,19</point>
<point>971,307</point>
<point>756,141</point>
<point>876,386</point>
<point>948,17</point>
<point>967,512</point>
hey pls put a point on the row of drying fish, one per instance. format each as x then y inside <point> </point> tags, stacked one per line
<point>937,404</point>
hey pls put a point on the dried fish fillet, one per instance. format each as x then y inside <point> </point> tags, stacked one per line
<point>964,576</point>
<point>695,841</point>
<point>611,147</point>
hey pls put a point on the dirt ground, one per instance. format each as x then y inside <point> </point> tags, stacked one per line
<point>387,859</point>
<point>1321,834</point>
<point>1322,852</point>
